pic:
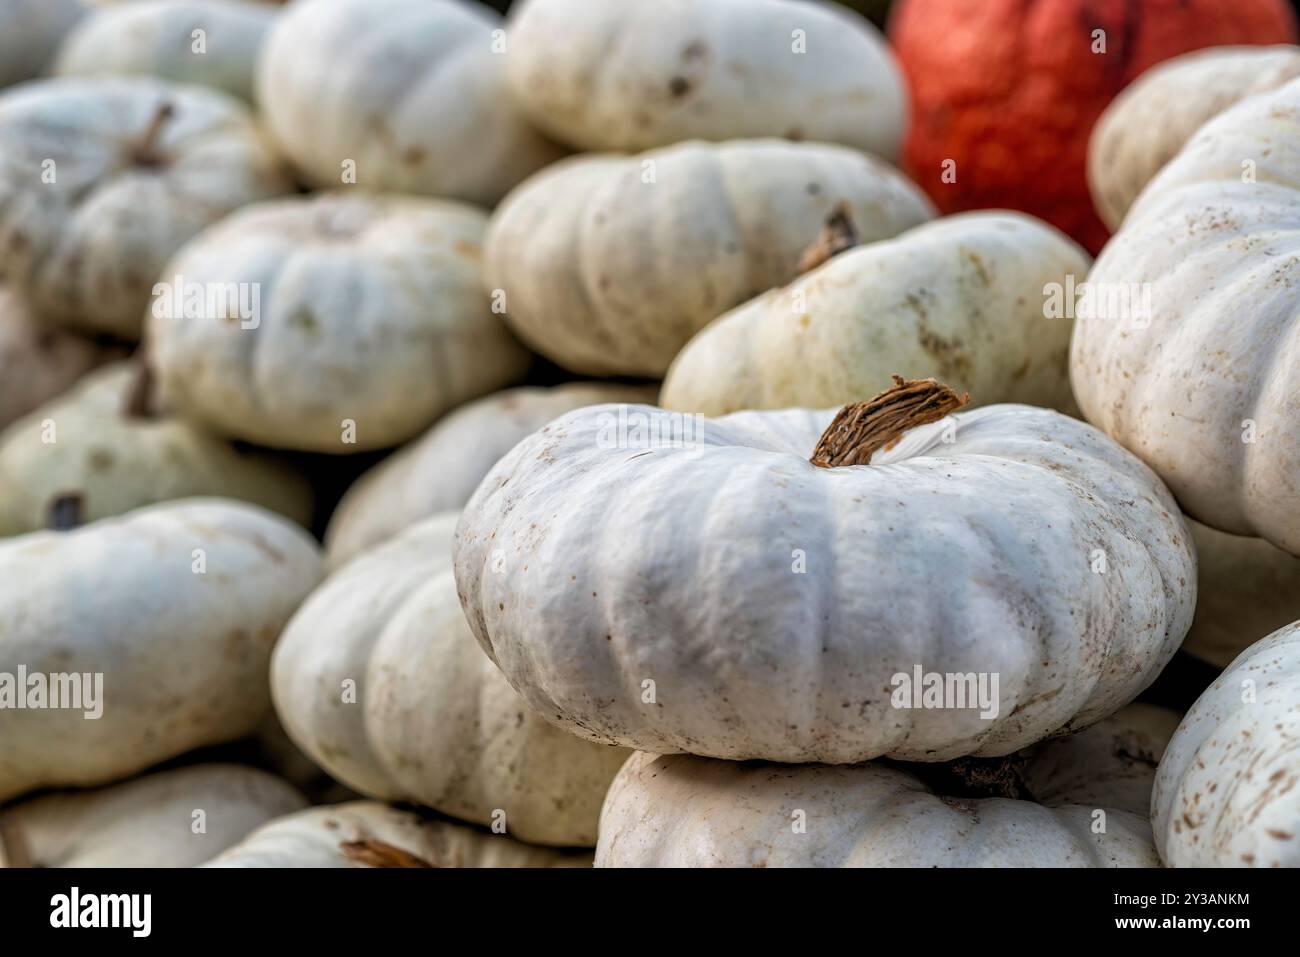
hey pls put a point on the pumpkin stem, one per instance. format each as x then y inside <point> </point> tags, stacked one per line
<point>14,851</point>
<point>1002,777</point>
<point>138,402</point>
<point>144,151</point>
<point>837,235</point>
<point>374,853</point>
<point>65,512</point>
<point>860,428</point>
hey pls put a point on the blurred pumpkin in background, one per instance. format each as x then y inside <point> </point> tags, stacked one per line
<point>1005,92</point>
<point>873,10</point>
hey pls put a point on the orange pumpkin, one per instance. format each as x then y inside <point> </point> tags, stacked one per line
<point>1008,90</point>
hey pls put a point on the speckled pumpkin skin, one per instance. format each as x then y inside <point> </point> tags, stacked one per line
<point>1147,124</point>
<point>1010,89</point>
<point>1225,794</point>
<point>1204,385</point>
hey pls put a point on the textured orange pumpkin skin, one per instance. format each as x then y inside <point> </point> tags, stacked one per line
<point>1010,89</point>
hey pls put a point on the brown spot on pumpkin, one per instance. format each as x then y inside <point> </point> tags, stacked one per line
<point>1278,834</point>
<point>463,247</point>
<point>236,644</point>
<point>413,155</point>
<point>100,460</point>
<point>679,87</point>
<point>302,318</point>
<point>953,363</point>
<point>695,50</point>
<point>795,133</point>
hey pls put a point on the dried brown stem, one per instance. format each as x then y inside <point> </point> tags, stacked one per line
<point>138,403</point>
<point>1002,777</point>
<point>65,512</point>
<point>145,150</point>
<point>861,428</point>
<point>837,235</point>
<point>372,853</point>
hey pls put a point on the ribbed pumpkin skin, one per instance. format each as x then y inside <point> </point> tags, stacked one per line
<point>1147,124</point>
<point>148,821</point>
<point>372,834</point>
<point>586,568</point>
<point>1010,89</point>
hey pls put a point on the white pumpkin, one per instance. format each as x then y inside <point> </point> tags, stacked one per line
<point>609,264</point>
<point>103,178</point>
<point>370,320</point>
<point>1148,123</point>
<point>175,607</point>
<point>685,811</point>
<point>632,76</point>
<point>370,834</point>
<point>1110,764</point>
<point>147,822</point>
<point>1216,416</point>
<point>30,31</point>
<point>101,446</point>
<point>1228,790</point>
<point>400,95</point>
<point>36,363</point>
<point>675,583</point>
<point>439,471</point>
<point>960,299</point>
<point>378,678</point>
<point>209,42</point>
<point>1245,588</point>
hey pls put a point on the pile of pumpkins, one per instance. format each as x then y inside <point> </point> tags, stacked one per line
<point>434,439</point>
